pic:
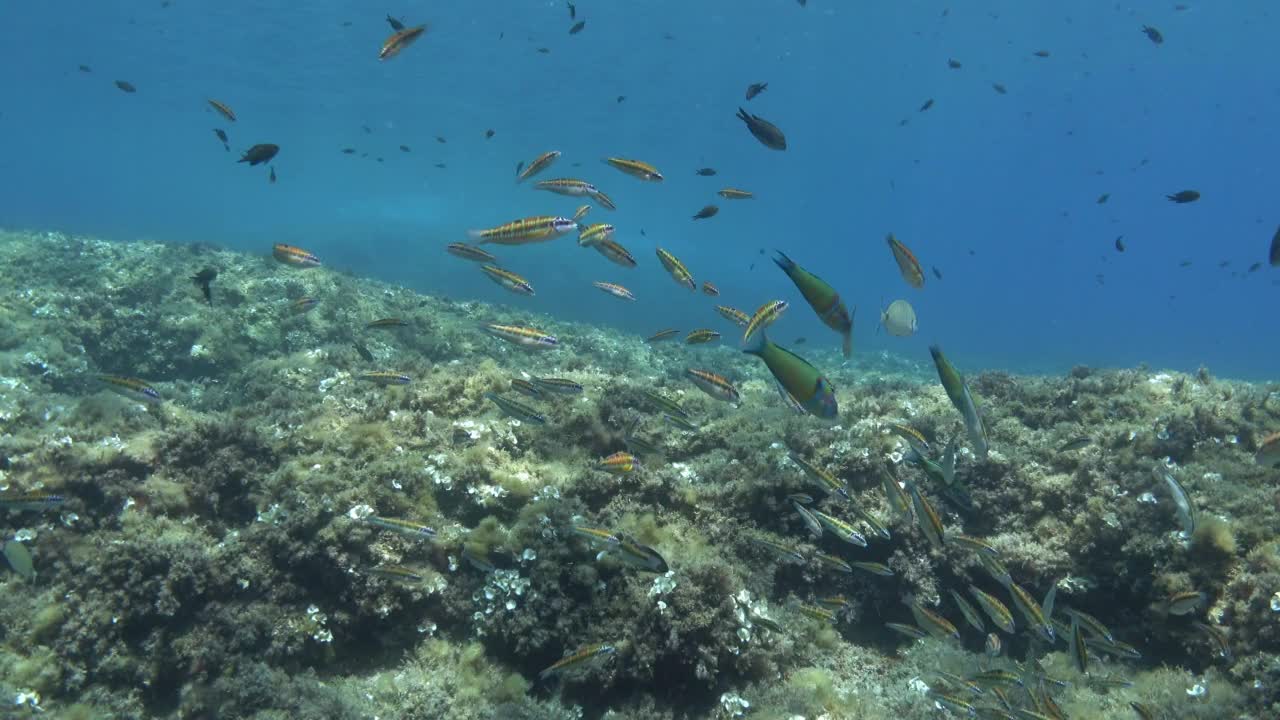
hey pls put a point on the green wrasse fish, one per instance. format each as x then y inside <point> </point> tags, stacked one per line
<point>717,386</point>
<point>678,271</point>
<point>525,230</point>
<point>580,657</point>
<point>596,535</point>
<point>619,463</point>
<point>824,300</point>
<point>537,165</point>
<point>907,263</point>
<point>525,387</point>
<point>558,386</point>
<point>734,315</point>
<point>764,316</point>
<point>614,253</point>
<point>404,527</point>
<point>523,336</point>
<point>508,280</point>
<point>910,631</point>
<point>969,612</point>
<point>132,388</point>
<point>662,335</point>
<point>635,168</point>
<point>953,382</point>
<point>385,377</point>
<point>580,213</point>
<point>517,410</point>
<point>11,500</point>
<point>664,403</point>
<point>735,194</point>
<point>595,233</point>
<point>928,519</point>
<point>701,336</point>
<point>295,256</point>
<point>933,623</point>
<point>470,252</point>
<point>615,290</point>
<point>801,380</point>
<point>831,562</point>
<point>874,568</point>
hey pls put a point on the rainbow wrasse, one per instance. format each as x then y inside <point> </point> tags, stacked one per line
<point>11,500</point>
<point>580,657</point>
<point>404,527</point>
<point>294,256</point>
<point>824,300</point>
<point>516,409</point>
<point>132,388</point>
<point>523,336</point>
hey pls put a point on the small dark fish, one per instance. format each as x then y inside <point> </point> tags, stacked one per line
<point>927,104</point>
<point>366,129</point>
<point>801,340</point>
<point>1153,34</point>
<point>442,166</point>
<point>260,153</point>
<point>803,2</point>
<point>519,167</point>
<point>999,88</point>
<point>394,23</point>
<point>405,148</point>
<point>755,89</point>
<point>126,86</point>
<point>621,98</point>
<point>1255,267</point>
<point>441,140</point>
<point>936,272</point>
<point>1120,243</point>
<point>706,212</point>
<point>544,51</point>
<point>348,151</point>
<point>1184,196</point>
<point>1103,198</point>
<point>1074,444</point>
<point>1274,257</point>
<point>577,27</point>
<point>488,133</point>
<point>766,132</point>
<point>953,64</point>
<point>223,137</point>
<point>202,280</point>
<point>85,69</point>
<point>1041,53</point>
<point>362,351</point>
<point>1224,263</point>
<point>1185,263</point>
<point>573,10</point>
<point>271,178</point>
<point>707,172</point>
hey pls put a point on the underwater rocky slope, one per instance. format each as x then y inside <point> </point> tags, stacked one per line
<point>215,555</point>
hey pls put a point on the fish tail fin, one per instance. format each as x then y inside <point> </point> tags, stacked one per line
<point>847,346</point>
<point>784,262</point>
<point>476,235</point>
<point>754,345</point>
<point>742,114</point>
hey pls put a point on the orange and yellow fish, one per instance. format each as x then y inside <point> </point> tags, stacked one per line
<point>764,317</point>
<point>525,230</point>
<point>615,253</point>
<point>508,280</point>
<point>717,386</point>
<point>295,256</point>
<point>619,463</point>
<point>701,336</point>
<point>523,336</point>
<point>907,263</point>
<point>734,315</point>
<point>223,109</point>
<point>567,186</point>
<point>615,290</point>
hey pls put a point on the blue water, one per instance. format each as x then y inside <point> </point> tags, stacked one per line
<point>997,191</point>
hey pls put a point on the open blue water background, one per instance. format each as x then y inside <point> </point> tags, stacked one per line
<point>996,191</point>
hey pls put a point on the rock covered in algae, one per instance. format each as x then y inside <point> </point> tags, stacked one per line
<point>212,556</point>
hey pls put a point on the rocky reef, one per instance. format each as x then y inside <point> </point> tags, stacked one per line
<point>212,556</point>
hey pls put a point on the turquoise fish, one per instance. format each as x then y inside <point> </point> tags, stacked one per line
<point>958,390</point>
<point>801,380</point>
<point>823,298</point>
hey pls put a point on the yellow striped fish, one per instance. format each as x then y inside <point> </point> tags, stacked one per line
<point>994,609</point>
<point>581,212</point>
<point>928,519</point>
<point>470,252</point>
<point>619,463</point>
<point>605,201</point>
<point>540,163</point>
<point>662,335</point>
<point>538,228</point>
<point>566,186</point>
<point>580,657</point>
<point>933,623</point>
<point>764,316</point>
<point>132,388</point>
<point>734,315</point>
<point>295,256</point>
<point>615,290</point>
<point>840,529</point>
<point>678,271</point>
<point>1031,611</point>
<point>523,336</point>
<point>385,377</point>
<point>223,109</point>
<point>701,336</point>
<point>595,233</point>
<point>635,168</point>
<point>508,280</point>
<point>717,386</point>
<point>614,253</point>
